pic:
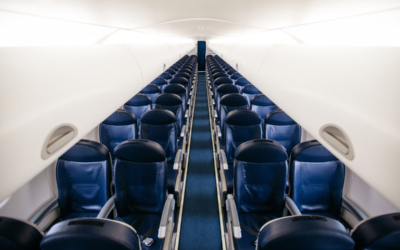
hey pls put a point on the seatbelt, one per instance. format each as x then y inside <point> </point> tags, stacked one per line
<point>250,231</point>
<point>148,233</point>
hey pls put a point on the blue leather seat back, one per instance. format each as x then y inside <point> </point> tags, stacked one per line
<point>179,90</point>
<point>173,103</point>
<point>160,82</point>
<point>236,76</point>
<point>170,71</point>
<point>278,126</point>
<point>184,82</point>
<point>240,126</point>
<point>185,69</point>
<point>83,176</point>
<point>174,68</point>
<point>118,127</point>
<point>152,91</point>
<point>159,125</point>
<point>376,233</point>
<point>260,174</point>
<point>228,103</point>
<point>304,233</point>
<point>219,81</point>
<point>182,74</point>
<point>138,105</point>
<point>220,74</point>
<point>140,177</point>
<point>91,234</point>
<point>167,76</point>
<point>241,82</point>
<point>249,91</point>
<point>16,234</point>
<point>262,105</point>
<point>316,179</point>
<point>223,90</point>
<point>217,69</point>
<point>231,72</point>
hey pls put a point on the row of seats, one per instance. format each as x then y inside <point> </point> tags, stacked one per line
<point>263,178</point>
<point>120,193</point>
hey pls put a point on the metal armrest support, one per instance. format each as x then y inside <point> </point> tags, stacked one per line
<point>178,159</point>
<point>223,187</point>
<point>46,209</point>
<point>291,206</point>
<point>215,113</point>
<point>191,93</point>
<point>354,209</point>
<point>107,208</point>
<point>233,216</point>
<point>183,131</point>
<point>222,159</point>
<point>166,216</point>
<point>189,101</point>
<point>219,134</point>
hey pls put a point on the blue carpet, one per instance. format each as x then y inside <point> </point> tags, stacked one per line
<point>200,218</point>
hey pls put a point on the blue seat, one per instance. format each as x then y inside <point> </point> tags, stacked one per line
<point>84,175</point>
<point>170,71</point>
<point>173,103</point>
<point>17,234</point>
<point>174,68</point>
<point>228,103</point>
<point>219,74</point>
<point>91,234</point>
<point>236,76</point>
<point>241,83</point>
<point>378,233</point>
<point>217,69</point>
<point>262,105</point>
<point>160,82</point>
<point>316,180</point>
<point>166,76</point>
<point>249,91</point>
<point>182,74</point>
<point>138,105</point>
<point>231,72</point>
<point>259,183</point>
<point>240,126</point>
<point>185,83</point>
<point>223,90</point>
<point>179,90</point>
<point>152,91</point>
<point>304,232</point>
<point>186,69</point>
<point>219,81</point>
<point>278,126</point>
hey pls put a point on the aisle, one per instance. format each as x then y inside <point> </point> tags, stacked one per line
<point>200,219</point>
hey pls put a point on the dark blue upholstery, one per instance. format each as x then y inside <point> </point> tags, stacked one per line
<point>262,105</point>
<point>118,127</point>
<point>219,81</point>
<point>236,76</point>
<point>316,180</point>
<point>220,74</point>
<point>249,91</point>
<point>179,90</point>
<point>152,91</point>
<point>175,68</point>
<point>241,82</point>
<point>278,126</point>
<point>378,233</point>
<point>91,234</point>
<point>184,82</point>
<point>217,69</point>
<point>84,176</point>
<point>304,233</point>
<point>160,81</point>
<point>223,90</point>
<point>173,103</point>
<point>138,105</point>
<point>231,71</point>
<point>260,174</point>
<point>166,76</point>
<point>185,70</point>
<point>16,234</point>
<point>170,71</point>
<point>228,103</point>
<point>182,74</point>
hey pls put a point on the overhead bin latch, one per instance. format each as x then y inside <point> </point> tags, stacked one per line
<point>338,139</point>
<point>57,139</point>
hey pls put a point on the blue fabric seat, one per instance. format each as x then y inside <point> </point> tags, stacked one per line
<point>219,81</point>
<point>378,233</point>
<point>304,232</point>
<point>91,234</point>
<point>170,71</point>
<point>152,91</point>
<point>223,90</point>
<point>249,91</point>
<point>118,127</point>
<point>166,76</point>
<point>186,69</point>
<point>179,90</point>
<point>228,103</point>
<point>173,103</point>
<point>220,74</point>
<point>138,105</point>
<point>262,105</point>
<point>316,179</point>
<point>84,175</point>
<point>260,173</point>
<point>17,234</point>
<point>174,68</point>
<point>241,83</point>
<point>160,82</point>
<point>278,126</point>
<point>185,83</point>
<point>236,76</point>
<point>182,74</point>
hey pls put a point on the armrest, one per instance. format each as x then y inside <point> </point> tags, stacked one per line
<point>222,159</point>
<point>165,217</point>
<point>219,134</point>
<point>46,209</point>
<point>187,113</point>
<point>107,208</point>
<point>234,217</point>
<point>190,101</point>
<point>291,206</point>
<point>213,102</point>
<point>178,159</point>
<point>223,187</point>
<point>215,113</point>
<point>354,209</point>
<point>183,131</point>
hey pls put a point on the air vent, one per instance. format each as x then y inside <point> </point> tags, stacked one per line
<point>338,139</point>
<point>57,139</point>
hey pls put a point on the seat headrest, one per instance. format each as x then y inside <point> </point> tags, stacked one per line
<point>243,117</point>
<point>250,89</point>
<point>151,89</point>
<point>182,74</point>
<point>120,117</point>
<point>158,117</point>
<point>311,151</point>
<point>220,74</point>
<point>261,100</point>
<point>222,80</point>
<point>242,81</point>
<point>142,151</point>
<point>139,100</point>
<point>261,151</point>
<point>378,232</point>
<point>185,70</point>
<point>304,232</point>
<point>233,100</point>
<point>278,117</point>
<point>165,75</point>
<point>232,71</point>
<point>236,76</point>
<point>86,151</point>
<point>175,68</point>
<point>90,233</point>
<point>169,99</point>
<point>227,88</point>
<point>159,81</point>
<point>179,80</point>
<point>170,71</point>
<point>175,89</point>
<point>15,232</point>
